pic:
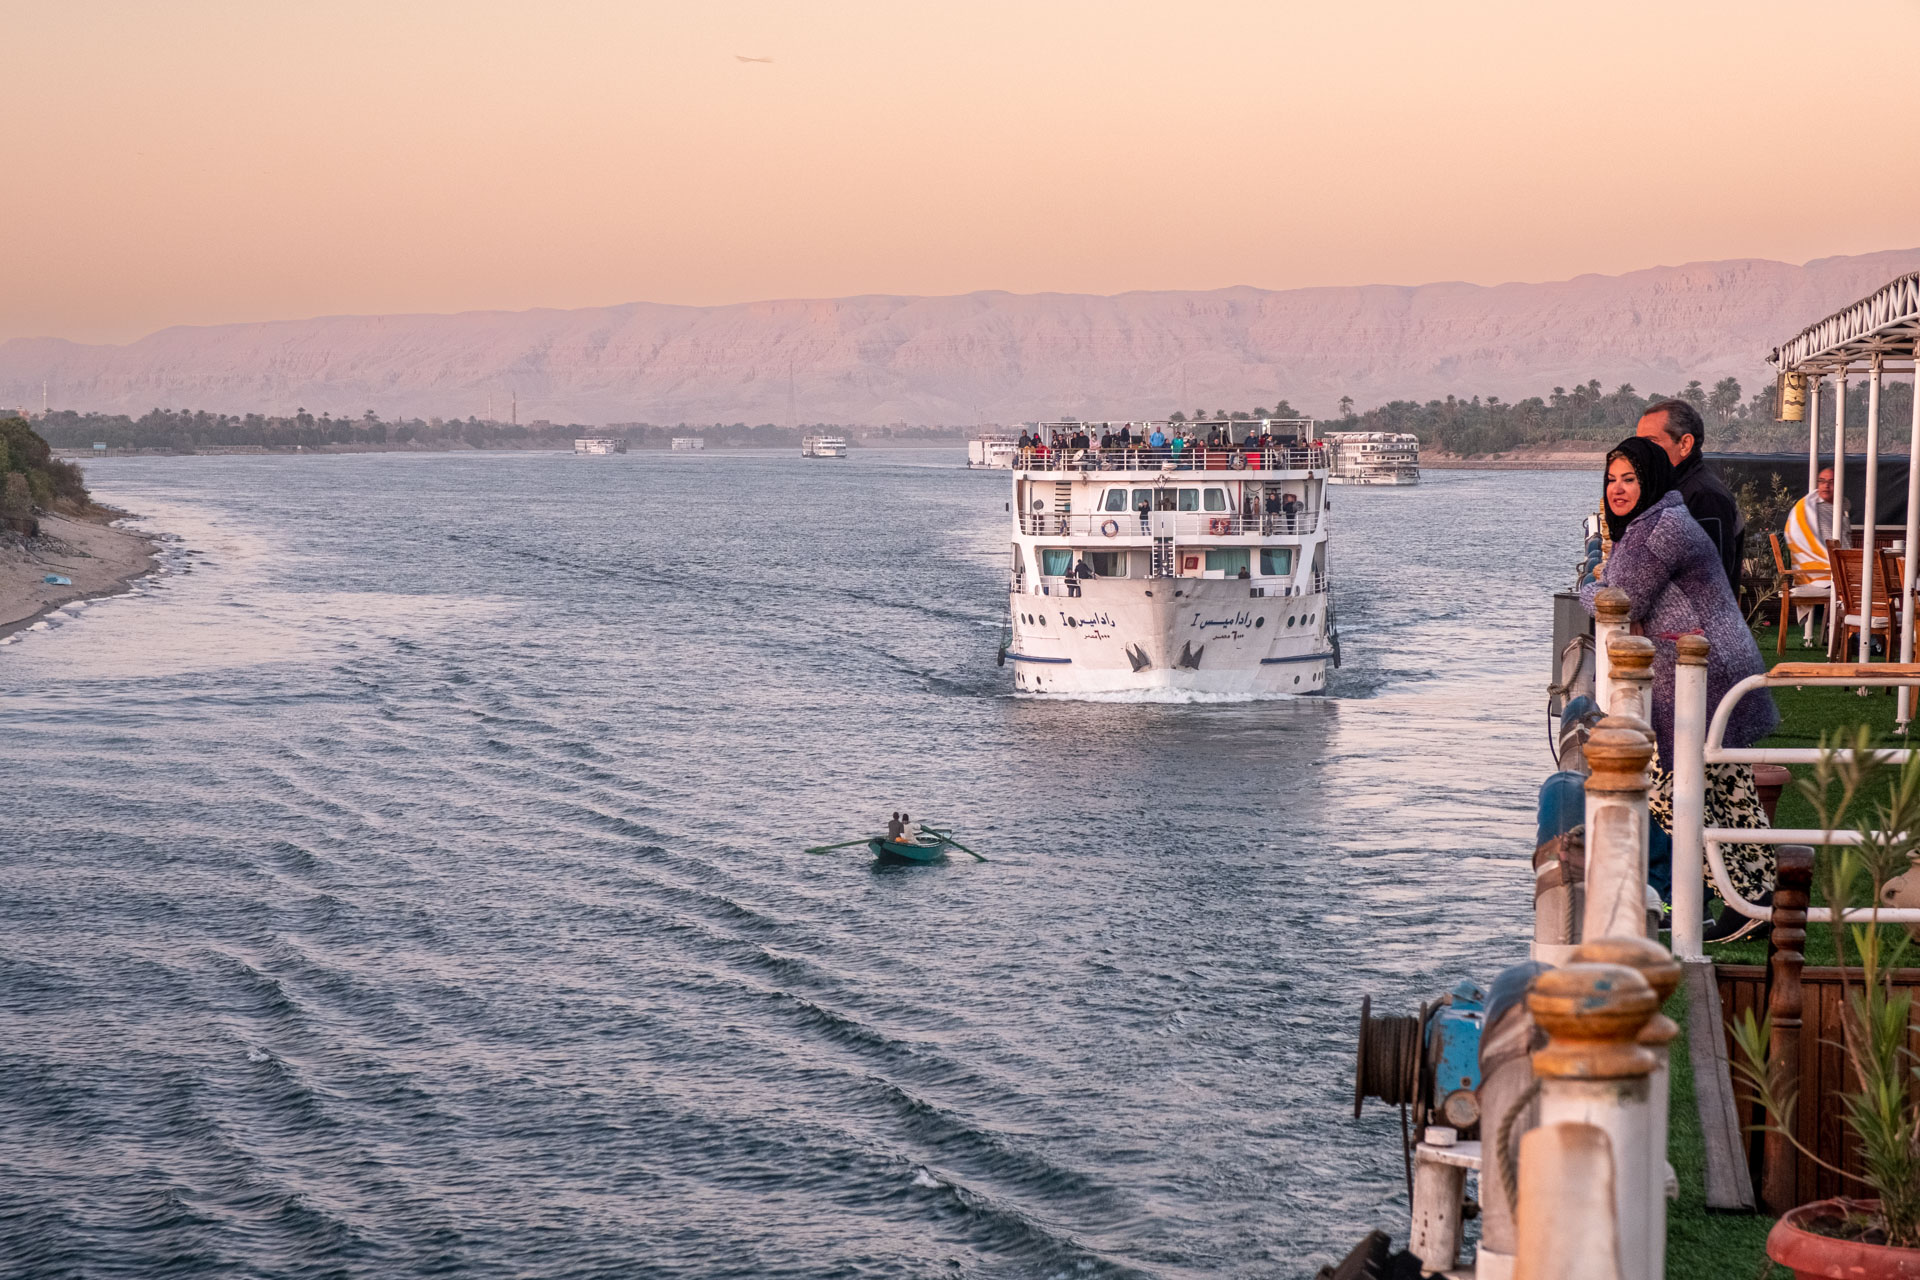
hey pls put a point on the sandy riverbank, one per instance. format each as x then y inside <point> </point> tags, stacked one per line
<point>100,559</point>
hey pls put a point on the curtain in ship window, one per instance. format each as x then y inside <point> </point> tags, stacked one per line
<point>1056,562</point>
<point>1276,562</point>
<point>1216,499</point>
<point>1108,564</point>
<point>1116,500</point>
<point>1189,499</point>
<point>1229,560</point>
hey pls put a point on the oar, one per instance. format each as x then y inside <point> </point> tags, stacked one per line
<point>845,844</point>
<point>950,840</point>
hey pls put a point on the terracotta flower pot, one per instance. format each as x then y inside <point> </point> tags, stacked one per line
<point>1812,1256</point>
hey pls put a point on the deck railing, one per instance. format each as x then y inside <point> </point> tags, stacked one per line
<point>1312,457</point>
<point>1059,586</point>
<point>1186,524</point>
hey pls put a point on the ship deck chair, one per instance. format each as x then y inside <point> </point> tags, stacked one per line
<point>1846,579</point>
<point>1797,589</point>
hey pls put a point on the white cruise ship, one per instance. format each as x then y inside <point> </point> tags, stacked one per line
<point>1195,569</point>
<point>823,447</point>
<point>599,446</point>
<point>1374,457</point>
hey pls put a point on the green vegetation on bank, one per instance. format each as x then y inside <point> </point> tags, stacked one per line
<point>188,430</point>
<point>1589,415</point>
<point>30,476</point>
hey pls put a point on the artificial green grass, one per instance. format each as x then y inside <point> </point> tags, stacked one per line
<point>1699,1243</point>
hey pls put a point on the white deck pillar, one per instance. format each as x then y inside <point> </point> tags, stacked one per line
<point>1813,434</point>
<point>1617,752</point>
<point>1657,965</point>
<point>1594,1098</point>
<point>1689,796</point>
<point>1870,501</point>
<point>1630,678</point>
<point>1904,712</point>
<point>1610,609</point>
<point>1836,608</point>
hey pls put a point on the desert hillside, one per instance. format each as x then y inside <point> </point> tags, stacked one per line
<point>977,357</point>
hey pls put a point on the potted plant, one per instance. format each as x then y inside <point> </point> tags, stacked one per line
<point>1877,1235</point>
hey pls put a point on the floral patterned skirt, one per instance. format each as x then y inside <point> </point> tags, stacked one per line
<point>1732,801</point>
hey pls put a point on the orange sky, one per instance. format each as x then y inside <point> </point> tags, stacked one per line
<point>198,162</point>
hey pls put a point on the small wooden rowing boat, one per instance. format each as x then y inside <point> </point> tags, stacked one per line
<point>925,849</point>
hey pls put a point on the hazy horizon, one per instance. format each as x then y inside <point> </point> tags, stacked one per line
<point>209,162</point>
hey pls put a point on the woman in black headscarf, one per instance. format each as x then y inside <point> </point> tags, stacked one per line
<point>1676,586</point>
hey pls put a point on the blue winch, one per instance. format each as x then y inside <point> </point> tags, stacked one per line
<point>1429,1061</point>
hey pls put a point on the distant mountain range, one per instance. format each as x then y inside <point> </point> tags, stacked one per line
<point>980,357</point>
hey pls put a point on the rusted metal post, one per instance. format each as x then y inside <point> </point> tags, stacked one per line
<point>1689,797</point>
<point>1439,1190</point>
<point>1618,751</point>
<point>1630,675</point>
<point>1610,609</point>
<point>1791,889</point>
<point>1662,972</point>
<point>1593,1110</point>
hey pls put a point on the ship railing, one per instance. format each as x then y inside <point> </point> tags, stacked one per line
<point>1186,524</point>
<point>1070,586</point>
<point>1310,457</point>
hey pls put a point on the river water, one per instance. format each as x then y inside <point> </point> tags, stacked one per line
<point>411,881</point>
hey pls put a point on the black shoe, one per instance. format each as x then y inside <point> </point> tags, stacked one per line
<point>1732,926</point>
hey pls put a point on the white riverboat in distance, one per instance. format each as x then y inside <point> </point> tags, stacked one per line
<point>1201,569</point>
<point>599,446</point>
<point>1374,457</point>
<point>997,452</point>
<point>823,447</point>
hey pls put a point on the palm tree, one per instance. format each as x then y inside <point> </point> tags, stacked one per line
<point>1725,398</point>
<point>1346,406</point>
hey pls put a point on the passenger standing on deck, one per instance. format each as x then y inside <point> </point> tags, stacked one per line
<point>1675,426</point>
<point>1675,586</point>
<point>1290,510</point>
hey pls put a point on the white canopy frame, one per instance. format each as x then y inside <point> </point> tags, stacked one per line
<point>1864,337</point>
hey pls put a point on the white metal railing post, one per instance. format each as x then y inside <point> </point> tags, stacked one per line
<point>1610,609</point>
<point>1584,1170</point>
<point>1662,972</point>
<point>1689,796</point>
<point>1630,678</point>
<point>1870,501</point>
<point>1910,554</point>
<point>1617,752</point>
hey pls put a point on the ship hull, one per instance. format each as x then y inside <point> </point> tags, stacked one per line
<point>1205,637</point>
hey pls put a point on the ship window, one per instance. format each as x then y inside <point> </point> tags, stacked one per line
<point>1189,499</point>
<point>1276,562</point>
<point>1056,562</point>
<point>1108,564</point>
<point>1116,500</point>
<point>1143,499</point>
<point>1216,499</point>
<point>1228,560</point>
<point>1164,501</point>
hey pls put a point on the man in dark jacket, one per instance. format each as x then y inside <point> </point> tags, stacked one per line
<point>1675,426</point>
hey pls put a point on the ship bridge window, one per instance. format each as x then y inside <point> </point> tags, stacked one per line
<point>1108,564</point>
<point>1056,562</point>
<point>1276,562</point>
<point>1216,499</point>
<point>1114,500</point>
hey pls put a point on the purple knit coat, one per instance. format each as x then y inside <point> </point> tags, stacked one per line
<point>1673,577</point>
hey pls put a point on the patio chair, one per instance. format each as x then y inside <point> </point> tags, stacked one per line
<point>1846,562</point>
<point>1805,588</point>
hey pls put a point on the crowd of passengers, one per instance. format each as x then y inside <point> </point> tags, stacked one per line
<point>1183,446</point>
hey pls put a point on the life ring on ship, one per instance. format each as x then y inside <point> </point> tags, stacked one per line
<point>1110,528</point>
<point>1219,525</point>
